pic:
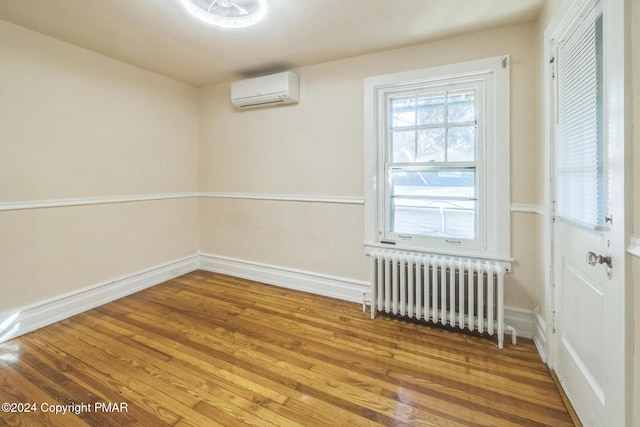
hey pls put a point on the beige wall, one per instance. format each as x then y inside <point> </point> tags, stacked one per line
<point>635,49</point>
<point>74,124</point>
<point>316,148</point>
<point>547,13</point>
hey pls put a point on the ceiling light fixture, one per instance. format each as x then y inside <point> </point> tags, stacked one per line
<point>227,13</point>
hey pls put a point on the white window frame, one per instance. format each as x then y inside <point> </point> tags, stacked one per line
<point>492,173</point>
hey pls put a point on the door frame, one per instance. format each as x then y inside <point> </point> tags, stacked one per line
<point>617,110</point>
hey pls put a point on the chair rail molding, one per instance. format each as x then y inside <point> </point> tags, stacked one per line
<point>83,201</point>
<point>349,200</point>
<point>634,246</point>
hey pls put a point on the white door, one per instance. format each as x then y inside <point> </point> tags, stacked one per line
<point>587,354</point>
<point>581,356</point>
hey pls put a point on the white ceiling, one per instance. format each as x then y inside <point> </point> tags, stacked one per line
<point>159,35</point>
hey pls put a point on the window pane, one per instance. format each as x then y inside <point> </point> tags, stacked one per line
<point>434,184</point>
<point>403,112</point>
<point>461,145</point>
<point>431,145</point>
<point>434,203</point>
<point>434,218</point>
<point>431,109</point>
<point>462,107</point>
<point>403,146</point>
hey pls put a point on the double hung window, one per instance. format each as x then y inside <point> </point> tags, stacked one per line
<point>437,156</point>
<point>432,162</point>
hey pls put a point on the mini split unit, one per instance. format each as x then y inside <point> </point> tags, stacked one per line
<point>265,91</point>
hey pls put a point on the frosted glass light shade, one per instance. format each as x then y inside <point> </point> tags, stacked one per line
<point>227,13</point>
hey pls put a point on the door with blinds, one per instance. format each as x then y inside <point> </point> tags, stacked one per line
<point>582,265</point>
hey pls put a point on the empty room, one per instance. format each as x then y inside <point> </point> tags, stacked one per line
<point>319,212</point>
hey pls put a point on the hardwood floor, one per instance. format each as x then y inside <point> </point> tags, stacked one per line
<point>211,350</point>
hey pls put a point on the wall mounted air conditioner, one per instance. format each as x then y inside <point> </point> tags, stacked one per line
<point>264,91</point>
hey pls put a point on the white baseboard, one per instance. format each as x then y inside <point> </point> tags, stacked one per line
<point>43,313</point>
<point>540,335</point>
<point>336,287</point>
<point>521,319</point>
<point>301,280</point>
<point>34,316</point>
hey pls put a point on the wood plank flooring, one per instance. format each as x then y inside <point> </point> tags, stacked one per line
<point>212,350</point>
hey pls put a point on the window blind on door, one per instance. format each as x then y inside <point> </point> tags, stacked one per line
<point>579,156</point>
